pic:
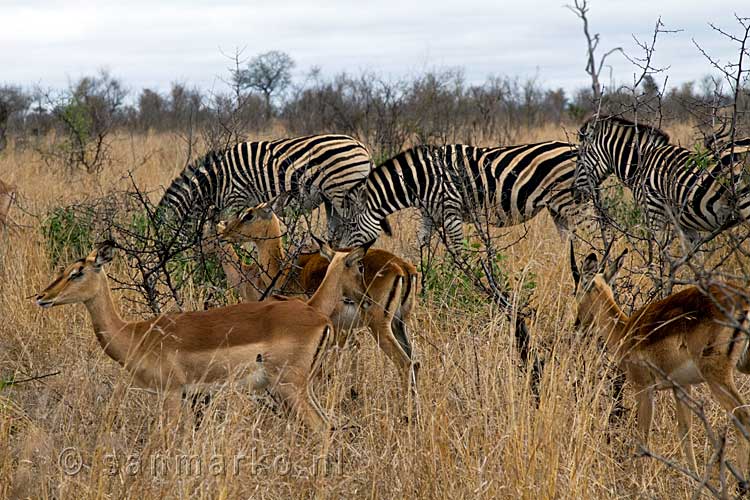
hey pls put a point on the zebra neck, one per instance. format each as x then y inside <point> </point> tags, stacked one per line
<point>624,158</point>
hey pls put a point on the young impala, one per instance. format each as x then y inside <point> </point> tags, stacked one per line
<point>682,340</point>
<point>276,344</point>
<point>244,279</point>
<point>390,283</point>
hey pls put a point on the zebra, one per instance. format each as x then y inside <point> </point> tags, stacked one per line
<point>310,170</point>
<point>673,184</point>
<point>454,183</point>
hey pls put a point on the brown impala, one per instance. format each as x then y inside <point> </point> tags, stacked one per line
<point>277,344</point>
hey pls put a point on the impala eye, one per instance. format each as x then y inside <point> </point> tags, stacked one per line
<point>75,274</point>
<point>247,217</point>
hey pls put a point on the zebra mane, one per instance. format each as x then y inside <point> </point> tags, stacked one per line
<point>201,163</point>
<point>181,193</point>
<point>656,133</point>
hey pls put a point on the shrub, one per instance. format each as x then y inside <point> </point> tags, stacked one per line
<point>68,233</point>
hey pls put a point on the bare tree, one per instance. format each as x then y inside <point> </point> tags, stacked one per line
<point>581,9</point>
<point>87,114</point>
<point>232,112</point>
<point>269,73</point>
<point>13,101</point>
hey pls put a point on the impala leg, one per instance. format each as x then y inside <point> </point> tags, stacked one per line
<point>398,327</point>
<point>387,341</point>
<point>618,389</point>
<point>347,339</point>
<point>684,417</point>
<point>300,397</point>
<point>295,386</point>
<point>172,403</point>
<point>645,398</point>
<point>726,393</point>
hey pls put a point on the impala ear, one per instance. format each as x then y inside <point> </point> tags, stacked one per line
<point>103,254</point>
<point>590,266</point>
<point>279,203</point>
<point>266,210</point>
<point>356,255</point>
<point>325,249</point>
<point>611,274</point>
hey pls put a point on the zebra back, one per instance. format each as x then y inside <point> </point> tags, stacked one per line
<point>511,184</point>
<point>310,169</point>
<point>670,181</point>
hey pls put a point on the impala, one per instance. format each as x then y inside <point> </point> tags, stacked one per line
<point>7,193</point>
<point>243,278</point>
<point>685,339</point>
<point>389,280</point>
<point>276,344</point>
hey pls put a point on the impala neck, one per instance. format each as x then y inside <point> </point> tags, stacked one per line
<point>270,252</point>
<point>231,264</point>
<point>329,293</point>
<point>109,327</point>
<point>610,319</point>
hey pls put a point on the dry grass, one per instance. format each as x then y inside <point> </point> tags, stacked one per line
<point>481,434</point>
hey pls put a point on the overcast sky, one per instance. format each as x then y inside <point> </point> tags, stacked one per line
<point>153,43</point>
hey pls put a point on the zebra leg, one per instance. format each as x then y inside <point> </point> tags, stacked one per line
<point>425,232</point>
<point>449,223</point>
<point>454,232</point>
<point>425,253</point>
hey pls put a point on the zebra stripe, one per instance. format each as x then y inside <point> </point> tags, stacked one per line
<point>671,182</point>
<point>453,183</point>
<point>312,170</point>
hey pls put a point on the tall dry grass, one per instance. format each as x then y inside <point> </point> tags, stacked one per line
<point>481,433</point>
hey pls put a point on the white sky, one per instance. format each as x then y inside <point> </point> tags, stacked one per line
<point>151,44</point>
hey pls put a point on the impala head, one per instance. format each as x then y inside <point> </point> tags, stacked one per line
<point>593,287</point>
<point>258,222</point>
<point>347,268</point>
<point>79,281</point>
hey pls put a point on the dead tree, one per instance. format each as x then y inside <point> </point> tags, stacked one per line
<point>593,68</point>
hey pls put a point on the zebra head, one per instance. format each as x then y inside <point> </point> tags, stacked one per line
<point>612,144</point>
<point>591,167</point>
